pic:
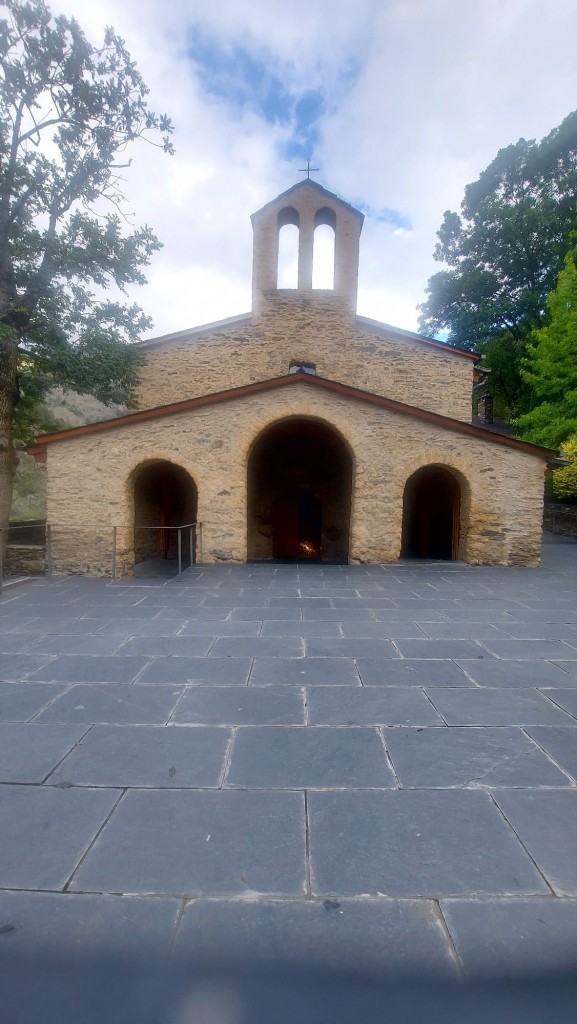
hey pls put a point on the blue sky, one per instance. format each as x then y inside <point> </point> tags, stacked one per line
<point>399,103</point>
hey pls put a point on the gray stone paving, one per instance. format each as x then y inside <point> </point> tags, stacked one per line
<point>370,766</point>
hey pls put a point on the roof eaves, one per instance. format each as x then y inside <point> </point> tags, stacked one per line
<point>247,390</point>
<point>210,328</point>
<point>400,332</point>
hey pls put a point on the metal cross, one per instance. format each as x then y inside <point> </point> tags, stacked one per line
<point>307,170</point>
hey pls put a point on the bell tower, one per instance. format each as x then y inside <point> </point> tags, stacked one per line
<point>307,206</point>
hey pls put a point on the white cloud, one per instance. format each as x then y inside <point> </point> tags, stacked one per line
<point>440,86</point>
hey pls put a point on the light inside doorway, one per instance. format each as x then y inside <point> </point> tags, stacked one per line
<point>299,494</point>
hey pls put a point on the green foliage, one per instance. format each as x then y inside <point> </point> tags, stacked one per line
<point>503,254</point>
<point>564,481</point>
<point>68,112</point>
<point>550,367</point>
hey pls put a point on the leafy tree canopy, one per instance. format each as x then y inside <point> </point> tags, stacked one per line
<point>550,367</point>
<point>68,112</point>
<point>502,255</point>
<point>564,481</point>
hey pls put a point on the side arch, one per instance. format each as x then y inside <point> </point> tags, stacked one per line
<point>435,513</point>
<point>163,496</point>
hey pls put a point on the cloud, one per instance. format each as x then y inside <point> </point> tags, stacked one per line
<point>400,103</point>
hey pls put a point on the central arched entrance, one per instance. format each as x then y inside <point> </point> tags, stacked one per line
<point>165,497</point>
<point>431,515</point>
<point>299,493</point>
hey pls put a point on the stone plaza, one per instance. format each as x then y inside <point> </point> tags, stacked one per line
<point>371,767</point>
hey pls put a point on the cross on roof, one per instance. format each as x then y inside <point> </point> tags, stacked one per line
<point>307,170</point>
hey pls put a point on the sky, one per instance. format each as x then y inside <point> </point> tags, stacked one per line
<point>399,103</point>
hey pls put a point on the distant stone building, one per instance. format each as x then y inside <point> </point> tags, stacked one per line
<point>299,431</point>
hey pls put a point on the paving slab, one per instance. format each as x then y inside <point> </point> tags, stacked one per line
<point>495,672</point>
<point>75,924</point>
<point>68,644</point>
<point>317,628</point>
<point>350,648</point>
<point>314,758</point>
<point>414,672</point>
<point>167,646</point>
<point>560,742</point>
<point>14,667</point>
<point>566,699</point>
<point>365,935</point>
<point>20,701</point>
<point>513,937</point>
<point>145,756</point>
<point>220,627</point>
<point>173,670</point>
<point>370,705</point>
<point>304,671</point>
<point>45,832</point>
<point>233,705</point>
<point>453,758</point>
<point>77,668</point>
<point>112,704</point>
<point>13,643</point>
<point>446,649</point>
<point>415,843</point>
<point>29,752</point>
<point>532,650</point>
<point>476,706</point>
<point>536,817</point>
<point>203,843</point>
<point>258,647</point>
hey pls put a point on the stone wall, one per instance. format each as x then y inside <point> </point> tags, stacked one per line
<point>25,559</point>
<point>560,519</point>
<point>89,478</point>
<point>340,345</point>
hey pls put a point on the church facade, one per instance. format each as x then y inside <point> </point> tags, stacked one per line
<point>300,431</point>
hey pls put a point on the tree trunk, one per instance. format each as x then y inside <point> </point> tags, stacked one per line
<point>8,457</point>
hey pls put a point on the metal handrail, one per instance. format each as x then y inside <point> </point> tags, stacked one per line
<point>87,526</point>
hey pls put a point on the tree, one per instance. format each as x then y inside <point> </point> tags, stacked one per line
<point>68,111</point>
<point>550,367</point>
<point>503,254</point>
<point>564,481</point>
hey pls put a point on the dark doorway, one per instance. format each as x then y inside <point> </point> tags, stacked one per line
<point>431,515</point>
<point>165,496</point>
<point>299,494</point>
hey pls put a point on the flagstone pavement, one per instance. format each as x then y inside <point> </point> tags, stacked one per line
<point>365,766</point>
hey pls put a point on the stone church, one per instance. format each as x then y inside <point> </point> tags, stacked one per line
<point>299,431</point>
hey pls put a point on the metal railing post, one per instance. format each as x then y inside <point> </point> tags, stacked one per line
<point>200,543</point>
<point>113,553</point>
<point>49,550</point>
<point>179,552</point>
<point>191,546</point>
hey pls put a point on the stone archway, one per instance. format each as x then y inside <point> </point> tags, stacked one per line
<point>299,486</point>
<point>165,496</point>
<point>432,515</point>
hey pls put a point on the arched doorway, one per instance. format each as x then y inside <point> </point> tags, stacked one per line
<point>299,493</point>
<point>431,515</point>
<point>164,496</point>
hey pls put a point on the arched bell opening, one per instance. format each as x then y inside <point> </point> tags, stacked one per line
<point>325,226</point>
<point>299,487</point>
<point>288,227</point>
<point>165,497</point>
<point>432,505</point>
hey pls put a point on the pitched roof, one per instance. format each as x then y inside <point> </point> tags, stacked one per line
<point>247,390</point>
<point>309,183</point>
